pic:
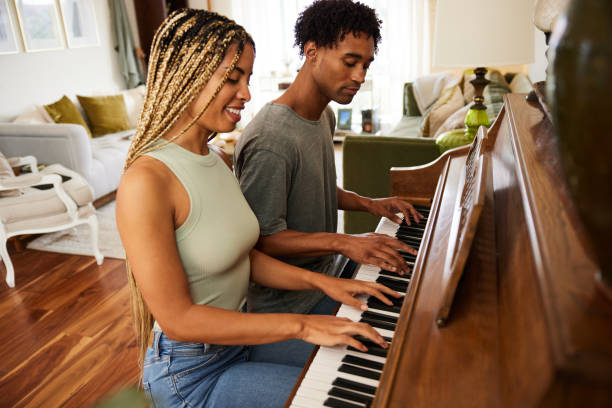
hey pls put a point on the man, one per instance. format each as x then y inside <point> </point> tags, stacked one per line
<point>284,160</point>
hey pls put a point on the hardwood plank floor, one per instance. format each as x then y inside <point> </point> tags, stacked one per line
<point>66,331</point>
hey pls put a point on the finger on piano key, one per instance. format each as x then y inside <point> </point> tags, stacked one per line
<point>355,315</point>
<point>336,354</point>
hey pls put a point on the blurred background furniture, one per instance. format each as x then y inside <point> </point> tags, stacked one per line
<point>99,158</point>
<point>419,136</point>
<point>485,40</point>
<point>53,199</point>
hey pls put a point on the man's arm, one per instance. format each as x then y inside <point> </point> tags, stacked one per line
<point>370,248</point>
<point>383,207</point>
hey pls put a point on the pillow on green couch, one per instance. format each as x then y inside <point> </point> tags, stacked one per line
<point>106,114</point>
<point>454,121</point>
<point>65,111</point>
<point>451,139</point>
<point>521,84</point>
<point>450,101</point>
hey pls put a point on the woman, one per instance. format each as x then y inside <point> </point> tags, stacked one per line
<point>189,234</point>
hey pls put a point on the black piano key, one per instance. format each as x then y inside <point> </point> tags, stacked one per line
<point>362,362</point>
<point>394,284</point>
<point>394,274</point>
<point>410,240</point>
<point>367,341</point>
<point>379,324</point>
<point>374,351</point>
<point>354,385</point>
<point>406,255</point>
<point>377,304</point>
<point>336,403</point>
<point>379,316</point>
<point>411,231</point>
<point>360,372</point>
<point>350,395</point>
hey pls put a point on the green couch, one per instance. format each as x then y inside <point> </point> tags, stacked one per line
<point>366,161</point>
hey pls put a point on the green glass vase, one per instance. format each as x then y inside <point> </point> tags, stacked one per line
<point>579,88</point>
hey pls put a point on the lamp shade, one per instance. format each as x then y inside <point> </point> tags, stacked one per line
<point>485,33</point>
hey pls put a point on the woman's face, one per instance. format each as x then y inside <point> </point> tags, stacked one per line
<point>224,111</point>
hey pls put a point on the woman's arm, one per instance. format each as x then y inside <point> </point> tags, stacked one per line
<point>268,271</point>
<point>145,217</point>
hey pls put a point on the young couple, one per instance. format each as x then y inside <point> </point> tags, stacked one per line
<point>200,240</point>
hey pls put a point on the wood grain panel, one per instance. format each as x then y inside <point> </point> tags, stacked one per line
<point>66,330</point>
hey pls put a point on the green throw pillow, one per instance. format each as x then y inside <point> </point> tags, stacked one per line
<point>451,139</point>
<point>64,111</point>
<point>106,114</point>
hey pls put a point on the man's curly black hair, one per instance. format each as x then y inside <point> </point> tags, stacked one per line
<point>326,22</point>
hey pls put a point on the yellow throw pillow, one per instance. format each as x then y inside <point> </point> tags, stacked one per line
<point>65,111</point>
<point>106,114</point>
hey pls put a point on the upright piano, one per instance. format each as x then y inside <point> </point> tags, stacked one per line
<point>528,325</point>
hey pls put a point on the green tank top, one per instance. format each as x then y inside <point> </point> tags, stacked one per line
<point>215,240</point>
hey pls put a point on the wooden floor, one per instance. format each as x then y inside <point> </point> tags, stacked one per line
<point>65,331</point>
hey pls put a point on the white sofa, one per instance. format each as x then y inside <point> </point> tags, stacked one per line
<point>100,160</point>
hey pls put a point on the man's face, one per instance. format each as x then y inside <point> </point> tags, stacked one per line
<point>340,70</point>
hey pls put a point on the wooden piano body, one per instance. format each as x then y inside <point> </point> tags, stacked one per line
<point>528,327</point>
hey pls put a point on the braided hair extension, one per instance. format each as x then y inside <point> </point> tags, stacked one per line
<point>186,50</point>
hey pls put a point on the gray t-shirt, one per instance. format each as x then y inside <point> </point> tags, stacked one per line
<point>285,165</point>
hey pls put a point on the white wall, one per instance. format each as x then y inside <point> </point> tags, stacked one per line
<point>43,77</point>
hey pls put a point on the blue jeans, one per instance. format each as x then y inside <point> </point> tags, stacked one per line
<point>178,374</point>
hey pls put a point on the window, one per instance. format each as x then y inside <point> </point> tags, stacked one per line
<point>403,53</point>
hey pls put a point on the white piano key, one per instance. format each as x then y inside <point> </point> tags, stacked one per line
<point>308,402</point>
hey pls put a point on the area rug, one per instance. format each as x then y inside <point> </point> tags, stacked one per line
<point>77,240</point>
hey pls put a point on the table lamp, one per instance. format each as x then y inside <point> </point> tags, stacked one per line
<point>478,34</point>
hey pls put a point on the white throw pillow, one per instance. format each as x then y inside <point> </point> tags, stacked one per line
<point>134,100</point>
<point>520,84</point>
<point>34,114</point>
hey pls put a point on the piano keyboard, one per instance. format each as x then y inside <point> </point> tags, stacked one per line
<point>342,376</point>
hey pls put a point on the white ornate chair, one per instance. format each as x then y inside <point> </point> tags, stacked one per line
<point>53,199</point>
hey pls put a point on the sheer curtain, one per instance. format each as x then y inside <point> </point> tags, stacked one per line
<point>403,52</point>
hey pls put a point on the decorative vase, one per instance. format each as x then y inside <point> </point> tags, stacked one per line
<point>580,96</point>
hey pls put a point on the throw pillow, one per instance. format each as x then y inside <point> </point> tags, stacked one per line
<point>410,105</point>
<point>6,171</point>
<point>106,114</point>
<point>454,121</point>
<point>65,111</point>
<point>34,114</point>
<point>451,139</point>
<point>450,100</point>
<point>134,100</point>
<point>520,84</point>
